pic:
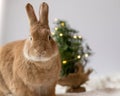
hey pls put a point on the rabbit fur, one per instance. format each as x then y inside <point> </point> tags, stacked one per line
<point>31,67</point>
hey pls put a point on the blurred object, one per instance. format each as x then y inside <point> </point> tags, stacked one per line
<point>72,47</point>
<point>76,90</point>
<point>110,81</point>
<point>1,18</point>
<point>102,92</point>
<point>1,9</point>
<point>98,21</point>
<point>74,56</point>
<point>105,84</point>
<point>76,79</point>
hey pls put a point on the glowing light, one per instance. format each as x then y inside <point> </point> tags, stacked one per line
<point>61,34</point>
<point>56,28</point>
<point>86,55</point>
<point>62,24</point>
<point>53,33</point>
<point>78,56</point>
<point>64,62</point>
<point>74,36</point>
<point>55,19</point>
<point>79,37</point>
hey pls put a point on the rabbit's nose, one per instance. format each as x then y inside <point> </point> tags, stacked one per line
<point>43,53</point>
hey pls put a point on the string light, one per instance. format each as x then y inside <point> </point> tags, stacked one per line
<point>79,37</point>
<point>74,36</point>
<point>64,62</point>
<point>86,55</point>
<point>78,56</point>
<point>56,28</point>
<point>55,19</point>
<point>53,33</point>
<point>61,34</point>
<point>62,24</point>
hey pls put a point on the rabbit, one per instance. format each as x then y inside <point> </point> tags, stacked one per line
<point>31,67</point>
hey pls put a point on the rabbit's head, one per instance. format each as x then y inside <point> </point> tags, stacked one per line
<point>39,46</point>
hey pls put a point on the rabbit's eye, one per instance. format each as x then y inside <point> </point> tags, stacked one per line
<point>49,37</point>
<point>30,37</point>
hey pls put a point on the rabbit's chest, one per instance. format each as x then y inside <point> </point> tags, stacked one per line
<point>41,90</point>
<point>42,82</point>
<point>37,76</point>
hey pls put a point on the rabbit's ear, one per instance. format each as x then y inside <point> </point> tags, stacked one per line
<point>44,13</point>
<point>31,14</point>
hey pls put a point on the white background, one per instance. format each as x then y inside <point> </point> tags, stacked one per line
<point>97,20</point>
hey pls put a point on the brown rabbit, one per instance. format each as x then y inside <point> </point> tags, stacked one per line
<point>31,67</point>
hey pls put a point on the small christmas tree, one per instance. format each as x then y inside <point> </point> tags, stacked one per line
<point>72,47</point>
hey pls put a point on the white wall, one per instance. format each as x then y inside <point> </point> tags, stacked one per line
<point>97,20</point>
<point>1,18</point>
